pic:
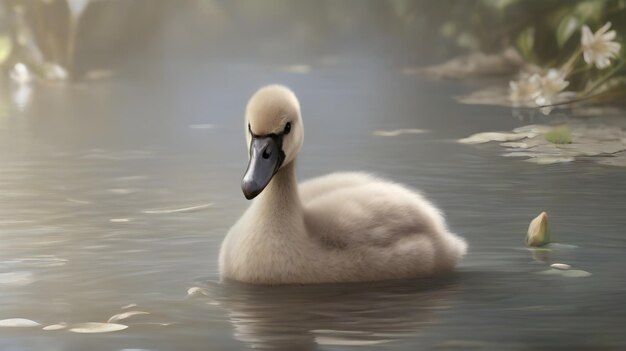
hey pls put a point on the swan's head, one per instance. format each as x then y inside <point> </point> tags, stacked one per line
<point>274,134</point>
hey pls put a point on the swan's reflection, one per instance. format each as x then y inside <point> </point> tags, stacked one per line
<point>302,317</point>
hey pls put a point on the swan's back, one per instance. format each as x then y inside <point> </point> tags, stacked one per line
<point>362,213</point>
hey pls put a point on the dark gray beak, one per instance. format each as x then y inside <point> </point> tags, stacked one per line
<point>266,157</point>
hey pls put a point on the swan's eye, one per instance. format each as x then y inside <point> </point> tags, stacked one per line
<point>287,128</point>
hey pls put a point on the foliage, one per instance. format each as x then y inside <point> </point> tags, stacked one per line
<point>559,135</point>
<point>548,33</point>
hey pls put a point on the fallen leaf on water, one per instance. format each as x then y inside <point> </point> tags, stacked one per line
<point>94,327</point>
<point>486,137</point>
<point>178,210</point>
<point>561,266</point>
<point>124,315</point>
<point>397,132</point>
<point>195,291</point>
<point>55,326</point>
<point>18,323</point>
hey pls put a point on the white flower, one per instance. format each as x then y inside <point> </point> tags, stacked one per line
<point>526,89</point>
<point>552,85</point>
<point>599,47</point>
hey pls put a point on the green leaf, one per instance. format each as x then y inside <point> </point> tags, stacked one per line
<point>568,26</point>
<point>6,45</point>
<point>590,10</point>
<point>526,41</point>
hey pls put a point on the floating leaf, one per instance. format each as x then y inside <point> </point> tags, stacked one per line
<point>196,291</point>
<point>397,132</point>
<point>121,316</point>
<point>18,323</point>
<point>55,326</point>
<point>538,233</point>
<point>549,160</point>
<point>94,327</point>
<point>532,128</point>
<point>178,210</point>
<point>561,266</point>
<point>486,137</point>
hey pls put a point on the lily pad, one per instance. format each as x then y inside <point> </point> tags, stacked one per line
<point>94,327</point>
<point>603,144</point>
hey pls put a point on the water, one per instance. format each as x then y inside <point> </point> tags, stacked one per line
<point>84,166</point>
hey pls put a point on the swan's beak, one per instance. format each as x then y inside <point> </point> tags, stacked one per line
<point>266,157</point>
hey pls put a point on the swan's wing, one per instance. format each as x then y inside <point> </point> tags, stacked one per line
<point>374,213</point>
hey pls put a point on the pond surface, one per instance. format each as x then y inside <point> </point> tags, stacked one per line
<point>115,196</point>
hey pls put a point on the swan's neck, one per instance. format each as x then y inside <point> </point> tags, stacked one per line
<point>280,200</point>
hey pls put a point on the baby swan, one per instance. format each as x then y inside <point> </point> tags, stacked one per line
<point>342,227</point>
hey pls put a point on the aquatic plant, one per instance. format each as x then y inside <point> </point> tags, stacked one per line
<point>538,234</point>
<point>597,50</point>
<point>559,135</point>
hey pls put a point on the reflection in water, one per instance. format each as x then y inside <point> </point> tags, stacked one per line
<point>302,317</point>
<point>21,96</point>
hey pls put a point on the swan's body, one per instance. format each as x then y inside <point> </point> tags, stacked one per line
<point>343,227</point>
